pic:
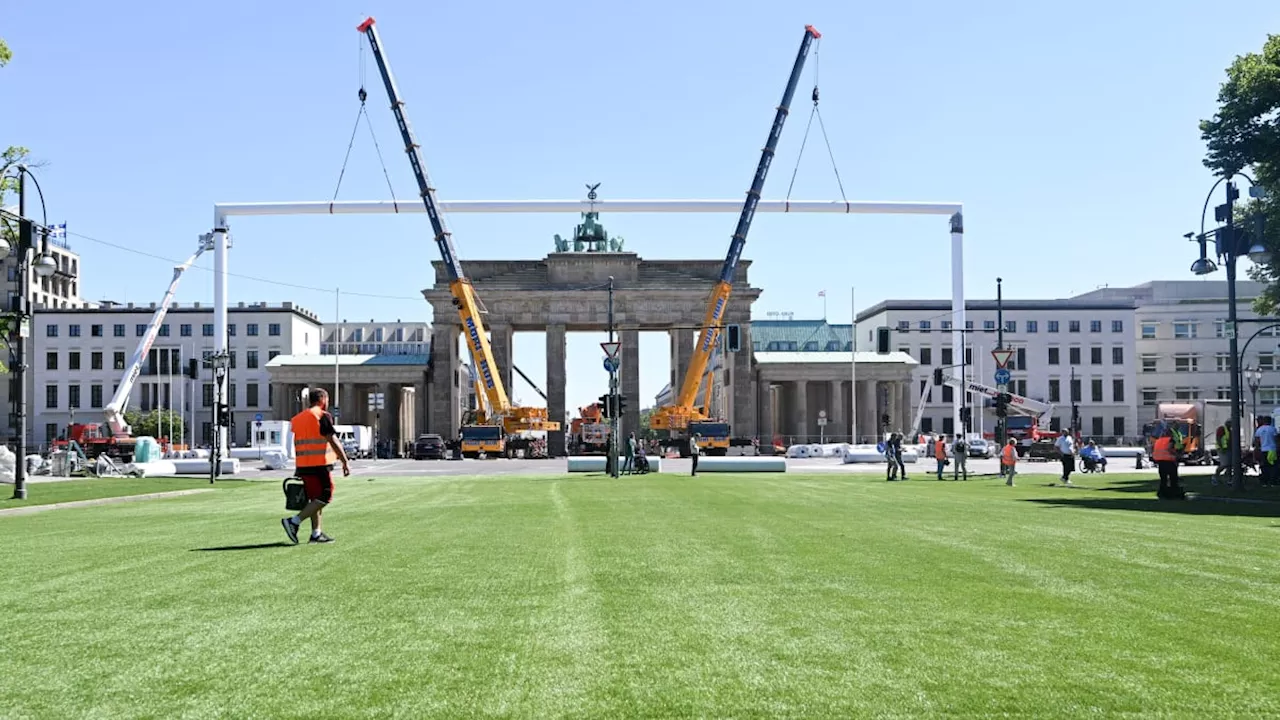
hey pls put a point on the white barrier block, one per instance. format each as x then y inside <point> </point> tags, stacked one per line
<point>200,466</point>
<point>742,464</point>
<point>595,463</point>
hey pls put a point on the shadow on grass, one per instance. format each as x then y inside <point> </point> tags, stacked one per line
<point>259,546</point>
<point>1199,506</point>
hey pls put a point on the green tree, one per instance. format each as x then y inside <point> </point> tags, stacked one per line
<point>1245,134</point>
<point>155,423</point>
<point>11,156</point>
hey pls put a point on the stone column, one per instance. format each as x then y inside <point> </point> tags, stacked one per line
<point>681,355</point>
<point>407,415</point>
<point>800,410</point>
<point>501,342</point>
<point>908,412</point>
<point>868,419</point>
<point>442,401</point>
<point>387,426</point>
<point>743,421</point>
<point>629,382</point>
<point>278,408</point>
<point>836,426</point>
<point>765,393</point>
<point>555,388</point>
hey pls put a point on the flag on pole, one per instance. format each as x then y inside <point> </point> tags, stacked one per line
<point>822,293</point>
<point>58,231</point>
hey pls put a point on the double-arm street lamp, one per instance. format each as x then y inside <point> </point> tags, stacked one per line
<point>1253,376</point>
<point>1230,242</point>
<point>32,257</point>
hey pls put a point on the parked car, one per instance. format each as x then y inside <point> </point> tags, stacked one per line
<point>980,448</point>
<point>1043,450</point>
<point>428,447</point>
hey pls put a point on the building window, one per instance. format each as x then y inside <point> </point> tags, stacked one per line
<point>232,355</point>
<point>988,324</point>
<point>271,394</point>
<point>948,425</point>
<point>51,362</point>
<point>207,330</point>
<point>1219,328</point>
<point>1224,393</point>
<point>251,329</point>
<point>945,325</point>
<point>1269,396</point>
<point>1073,326</point>
<point>231,394</point>
<point>1054,356</point>
<point>1095,355</point>
<point>272,354</point>
<point>251,359</point>
<point>1053,326</point>
<point>1186,363</point>
<point>95,360</point>
<point>946,356</point>
<point>206,431</point>
<point>1149,363</point>
<point>1266,362</point>
<point>1186,393</point>
<point>206,395</point>
<point>1184,330</point>
<point>1095,326</point>
<point>926,425</point>
<point>1021,362</point>
<point>95,396</point>
<point>1055,390</point>
<point>51,397</point>
<point>51,330</point>
<point>164,330</point>
<point>1117,426</point>
<point>139,329</point>
<point>117,330</point>
<point>947,394</point>
<point>95,330</point>
<point>184,330</point>
<point>1117,389</point>
<point>273,329</point>
<point>1150,396</point>
<point>73,360</point>
<point>73,330</point>
<point>1097,426</point>
<point>811,346</point>
<point>117,360</point>
<point>1149,330</point>
<point>231,330</point>
<point>1033,326</point>
<point>926,356</point>
<point>1117,355</point>
<point>968,356</point>
<point>968,324</point>
<point>1117,326</point>
<point>251,395</point>
<point>1020,387</point>
<point>50,432</point>
<point>1075,390</point>
<point>1011,326</point>
<point>1095,389</point>
<point>1073,355</point>
<point>73,396</point>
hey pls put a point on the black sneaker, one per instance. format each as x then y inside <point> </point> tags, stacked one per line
<point>321,538</point>
<point>290,529</point>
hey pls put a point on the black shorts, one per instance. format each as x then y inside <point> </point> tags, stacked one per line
<point>318,483</point>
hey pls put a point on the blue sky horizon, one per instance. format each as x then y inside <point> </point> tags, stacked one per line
<point>1069,133</point>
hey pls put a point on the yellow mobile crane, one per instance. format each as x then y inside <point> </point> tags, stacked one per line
<point>503,425</point>
<point>682,419</point>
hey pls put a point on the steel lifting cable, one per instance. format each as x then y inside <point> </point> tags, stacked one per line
<point>815,112</point>
<point>363,113</point>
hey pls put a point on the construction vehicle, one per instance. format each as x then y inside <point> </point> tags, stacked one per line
<point>115,437</point>
<point>1197,421</point>
<point>589,432</point>
<point>1028,421</point>
<point>516,428</point>
<point>678,422</point>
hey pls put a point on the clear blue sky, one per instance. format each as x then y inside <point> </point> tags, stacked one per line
<point>1068,132</point>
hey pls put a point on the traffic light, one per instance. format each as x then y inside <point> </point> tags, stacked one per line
<point>224,415</point>
<point>882,340</point>
<point>621,406</point>
<point>1002,402</point>
<point>966,416</point>
<point>937,376</point>
<point>734,338</point>
<point>193,369</point>
<point>605,406</point>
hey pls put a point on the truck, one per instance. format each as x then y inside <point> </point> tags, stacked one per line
<point>673,422</point>
<point>518,429</point>
<point>1028,420</point>
<point>1198,422</point>
<point>357,440</point>
<point>589,432</point>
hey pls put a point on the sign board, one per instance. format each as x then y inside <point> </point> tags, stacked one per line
<point>822,414</point>
<point>1230,330</point>
<point>611,364</point>
<point>610,349</point>
<point>1002,357</point>
<point>257,417</point>
<point>1003,376</point>
<point>377,401</point>
<point>822,421</point>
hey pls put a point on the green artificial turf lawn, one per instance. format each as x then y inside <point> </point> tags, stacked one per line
<point>48,493</point>
<point>661,596</point>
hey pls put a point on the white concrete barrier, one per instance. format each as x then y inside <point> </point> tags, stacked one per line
<point>869,454</point>
<point>742,464</point>
<point>159,468</point>
<point>200,466</point>
<point>595,463</point>
<point>1123,452</point>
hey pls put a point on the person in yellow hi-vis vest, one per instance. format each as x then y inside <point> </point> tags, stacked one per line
<point>1266,436</point>
<point>1009,461</point>
<point>1165,453</point>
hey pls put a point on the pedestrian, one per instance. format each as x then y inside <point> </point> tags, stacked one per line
<point>897,454</point>
<point>1224,452</point>
<point>891,463</point>
<point>960,451</point>
<point>1067,448</point>
<point>1009,461</point>
<point>316,449</point>
<point>694,450</point>
<point>940,453</point>
<point>1165,453</point>
<point>1266,435</point>
<point>629,462</point>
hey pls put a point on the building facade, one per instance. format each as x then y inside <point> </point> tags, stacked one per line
<point>78,357</point>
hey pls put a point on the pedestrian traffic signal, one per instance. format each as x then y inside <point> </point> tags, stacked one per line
<point>937,376</point>
<point>882,340</point>
<point>605,409</point>
<point>733,338</point>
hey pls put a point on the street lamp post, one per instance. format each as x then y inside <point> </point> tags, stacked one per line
<point>1253,376</point>
<point>43,265</point>
<point>1230,243</point>
<point>221,413</point>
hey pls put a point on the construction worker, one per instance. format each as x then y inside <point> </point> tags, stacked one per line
<point>940,453</point>
<point>1009,461</point>
<point>316,449</point>
<point>1224,452</point>
<point>1266,436</point>
<point>1165,454</point>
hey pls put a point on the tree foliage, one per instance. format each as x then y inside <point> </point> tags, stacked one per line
<point>155,423</point>
<point>1244,135</point>
<point>5,54</point>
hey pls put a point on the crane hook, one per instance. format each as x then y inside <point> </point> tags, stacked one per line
<point>364,96</point>
<point>815,94</point>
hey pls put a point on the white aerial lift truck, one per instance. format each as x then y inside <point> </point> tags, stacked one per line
<point>1031,422</point>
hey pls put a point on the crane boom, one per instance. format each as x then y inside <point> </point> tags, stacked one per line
<point>677,416</point>
<point>1018,403</point>
<point>514,419</point>
<point>115,409</point>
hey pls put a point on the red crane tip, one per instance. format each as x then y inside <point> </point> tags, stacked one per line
<point>809,28</point>
<point>364,26</point>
